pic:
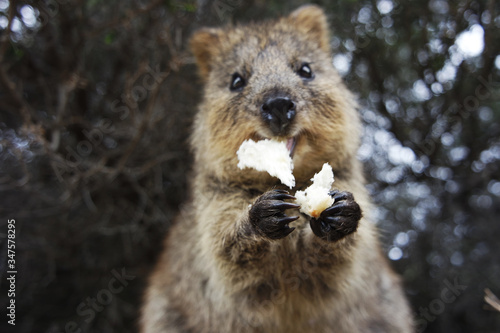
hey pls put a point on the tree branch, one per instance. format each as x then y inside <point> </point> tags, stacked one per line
<point>491,299</point>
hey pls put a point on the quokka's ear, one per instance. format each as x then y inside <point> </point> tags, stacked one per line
<point>312,20</point>
<point>204,43</point>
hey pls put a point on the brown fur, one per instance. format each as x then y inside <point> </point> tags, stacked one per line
<point>217,273</point>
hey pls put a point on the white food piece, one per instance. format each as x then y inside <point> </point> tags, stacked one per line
<point>315,199</point>
<point>267,155</point>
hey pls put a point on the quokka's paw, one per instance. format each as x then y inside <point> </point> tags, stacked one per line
<point>339,220</point>
<point>268,216</point>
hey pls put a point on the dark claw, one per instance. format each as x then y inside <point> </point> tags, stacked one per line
<point>287,231</point>
<point>331,220</point>
<point>319,227</point>
<point>268,216</point>
<point>285,197</point>
<point>339,220</point>
<point>272,207</point>
<point>333,209</point>
<point>346,208</point>
<point>285,205</point>
<point>341,195</point>
<point>287,219</point>
<point>332,193</point>
<point>280,195</point>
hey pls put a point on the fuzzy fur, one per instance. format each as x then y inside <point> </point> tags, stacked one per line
<point>217,273</point>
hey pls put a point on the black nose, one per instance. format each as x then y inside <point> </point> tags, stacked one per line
<point>278,112</point>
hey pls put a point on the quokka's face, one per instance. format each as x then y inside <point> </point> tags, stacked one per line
<point>273,80</point>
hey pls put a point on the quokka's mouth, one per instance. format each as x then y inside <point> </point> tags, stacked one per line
<point>290,145</point>
<point>291,142</point>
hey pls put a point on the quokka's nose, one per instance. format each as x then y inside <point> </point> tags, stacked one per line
<point>278,112</point>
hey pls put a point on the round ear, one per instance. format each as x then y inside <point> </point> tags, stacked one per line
<point>312,20</point>
<point>204,43</point>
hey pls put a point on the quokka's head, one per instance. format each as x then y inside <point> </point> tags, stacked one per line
<point>273,79</point>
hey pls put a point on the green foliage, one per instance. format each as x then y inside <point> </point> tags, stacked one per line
<point>109,38</point>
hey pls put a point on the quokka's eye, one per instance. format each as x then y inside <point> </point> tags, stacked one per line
<point>237,82</point>
<point>305,71</point>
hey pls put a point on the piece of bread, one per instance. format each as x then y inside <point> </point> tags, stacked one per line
<point>316,198</point>
<point>267,155</point>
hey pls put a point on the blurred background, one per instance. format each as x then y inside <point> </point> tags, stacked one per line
<point>96,102</point>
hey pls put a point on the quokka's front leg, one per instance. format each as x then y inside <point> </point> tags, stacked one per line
<point>247,240</point>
